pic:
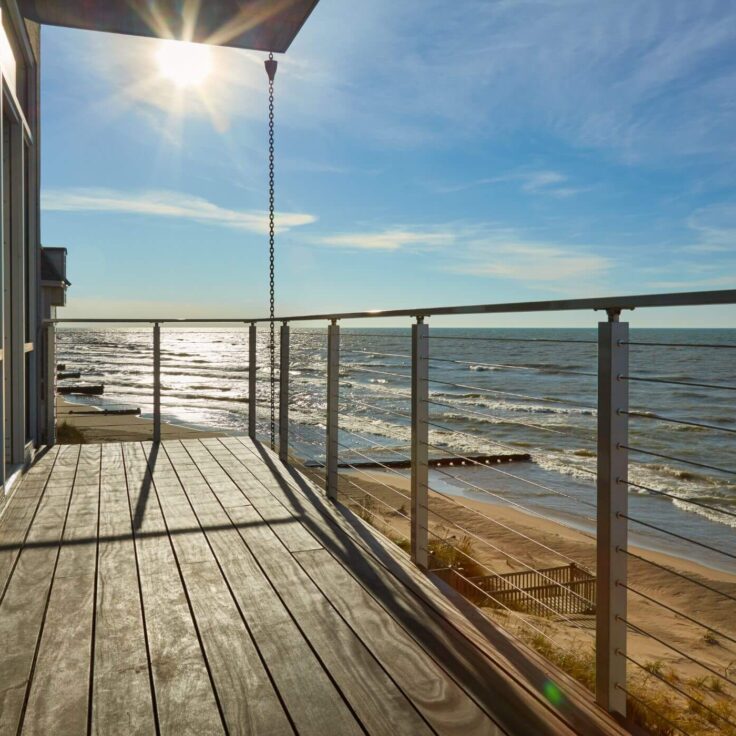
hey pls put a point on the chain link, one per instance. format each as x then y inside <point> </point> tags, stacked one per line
<point>271,259</point>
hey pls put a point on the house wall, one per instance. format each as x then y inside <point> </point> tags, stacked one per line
<point>20,302</point>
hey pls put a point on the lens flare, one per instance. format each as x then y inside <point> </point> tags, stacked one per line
<point>553,693</point>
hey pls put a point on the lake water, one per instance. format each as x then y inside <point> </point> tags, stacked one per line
<point>491,390</point>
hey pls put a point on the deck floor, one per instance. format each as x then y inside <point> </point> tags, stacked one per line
<point>201,587</point>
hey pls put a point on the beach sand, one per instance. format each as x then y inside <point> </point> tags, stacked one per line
<point>507,539</point>
<point>94,425</point>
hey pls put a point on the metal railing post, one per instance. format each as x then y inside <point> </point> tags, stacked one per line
<point>613,401</point>
<point>50,384</point>
<point>156,382</point>
<point>252,401</point>
<point>419,440</point>
<point>284,394</point>
<point>333,399</point>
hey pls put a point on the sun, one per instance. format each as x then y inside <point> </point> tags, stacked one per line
<point>185,64</point>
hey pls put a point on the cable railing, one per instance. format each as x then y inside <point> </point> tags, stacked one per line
<point>536,488</point>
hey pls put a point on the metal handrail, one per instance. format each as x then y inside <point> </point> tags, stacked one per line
<point>611,303</point>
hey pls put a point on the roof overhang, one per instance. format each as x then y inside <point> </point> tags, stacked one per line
<point>262,25</point>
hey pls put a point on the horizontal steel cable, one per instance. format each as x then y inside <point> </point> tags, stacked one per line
<point>676,574</point>
<point>494,391</point>
<point>507,554</point>
<point>381,408</point>
<point>376,444</point>
<point>515,449</point>
<point>496,469</point>
<point>371,512</point>
<point>513,339</point>
<point>678,344</point>
<point>318,479</point>
<point>679,460</point>
<point>675,649</point>
<point>674,687</point>
<point>494,442</point>
<point>677,383</point>
<point>470,582</point>
<point>386,467</point>
<point>516,614</point>
<point>503,420</point>
<point>674,611</point>
<point>380,482</point>
<point>650,707</point>
<point>518,588</point>
<point>672,420</point>
<point>515,477</point>
<point>483,490</point>
<point>344,334</point>
<point>676,498</point>
<point>353,368</point>
<point>675,535</point>
<point>376,498</point>
<point>372,352</point>
<point>302,440</point>
<point>515,366</point>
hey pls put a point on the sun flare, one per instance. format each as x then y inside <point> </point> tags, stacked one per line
<point>185,64</point>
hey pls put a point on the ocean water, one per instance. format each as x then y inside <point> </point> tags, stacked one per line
<point>491,390</point>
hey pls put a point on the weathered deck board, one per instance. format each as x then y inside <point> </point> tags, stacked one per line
<point>185,700</point>
<point>23,608</point>
<point>249,702</point>
<point>201,587</point>
<point>122,700</point>
<point>315,706</point>
<point>18,516</point>
<point>64,654</point>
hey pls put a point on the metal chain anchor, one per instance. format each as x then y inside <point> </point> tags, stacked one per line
<point>271,65</point>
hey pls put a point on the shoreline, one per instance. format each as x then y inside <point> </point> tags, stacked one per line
<point>560,526</point>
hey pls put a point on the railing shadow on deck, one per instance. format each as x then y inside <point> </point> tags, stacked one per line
<point>102,538</point>
<point>495,687</point>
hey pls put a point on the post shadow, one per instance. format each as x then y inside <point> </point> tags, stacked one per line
<point>145,492</point>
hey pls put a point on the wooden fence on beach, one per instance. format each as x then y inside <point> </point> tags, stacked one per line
<point>545,592</point>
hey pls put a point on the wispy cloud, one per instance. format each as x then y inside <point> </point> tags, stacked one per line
<point>535,181</point>
<point>708,260</point>
<point>389,240</point>
<point>529,261</point>
<point>485,250</point>
<point>715,229</point>
<point>163,203</point>
<point>716,282</point>
<point>544,182</point>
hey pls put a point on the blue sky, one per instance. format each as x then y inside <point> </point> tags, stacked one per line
<point>429,153</point>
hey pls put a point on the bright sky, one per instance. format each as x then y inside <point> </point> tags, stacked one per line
<point>429,153</point>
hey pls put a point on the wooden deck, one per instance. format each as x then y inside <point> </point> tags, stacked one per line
<point>201,587</point>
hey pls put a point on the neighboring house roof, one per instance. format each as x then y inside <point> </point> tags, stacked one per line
<point>263,25</point>
<point>50,265</point>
